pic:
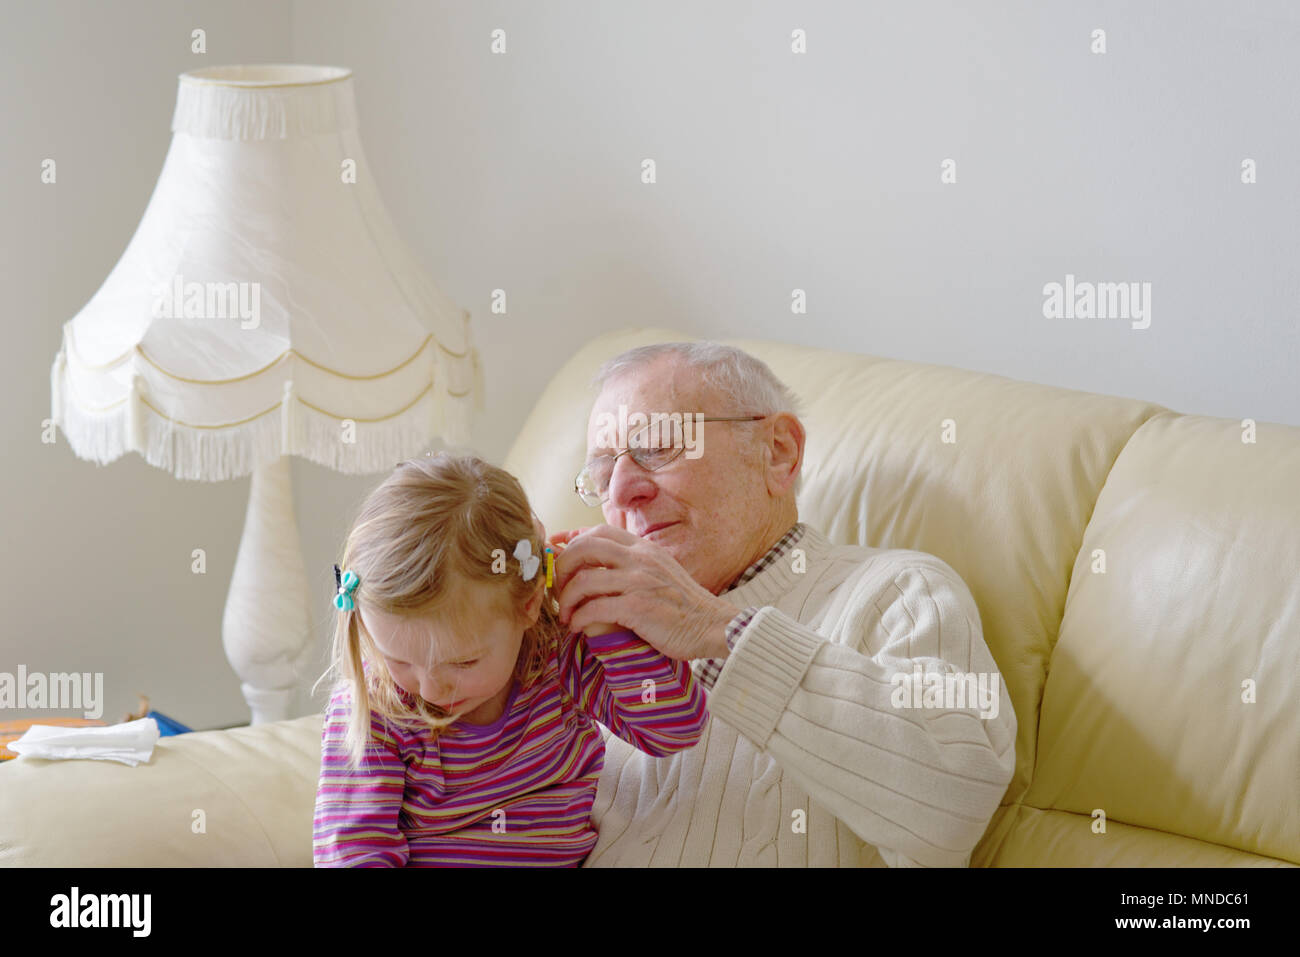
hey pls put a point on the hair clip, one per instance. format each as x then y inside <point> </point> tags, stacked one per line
<point>528,562</point>
<point>347,584</point>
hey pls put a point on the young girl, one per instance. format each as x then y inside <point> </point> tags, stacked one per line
<point>462,725</point>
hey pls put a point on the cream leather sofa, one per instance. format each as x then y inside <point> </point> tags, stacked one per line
<point>1160,696</point>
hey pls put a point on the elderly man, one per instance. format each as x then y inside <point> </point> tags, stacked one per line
<point>812,757</point>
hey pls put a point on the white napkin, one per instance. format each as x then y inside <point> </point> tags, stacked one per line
<point>130,742</point>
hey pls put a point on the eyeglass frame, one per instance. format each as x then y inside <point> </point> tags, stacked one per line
<point>577,480</point>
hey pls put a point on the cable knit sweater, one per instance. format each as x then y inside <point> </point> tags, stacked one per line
<point>808,759</point>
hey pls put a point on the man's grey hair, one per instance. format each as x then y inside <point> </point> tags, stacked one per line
<point>750,385</point>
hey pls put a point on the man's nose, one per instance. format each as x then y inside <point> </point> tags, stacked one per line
<point>629,483</point>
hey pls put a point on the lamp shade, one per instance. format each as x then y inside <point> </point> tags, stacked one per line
<point>265,305</point>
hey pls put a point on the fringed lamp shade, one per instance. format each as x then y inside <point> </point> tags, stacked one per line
<point>265,306</point>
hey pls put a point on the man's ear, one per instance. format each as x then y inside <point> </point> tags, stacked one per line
<point>786,453</point>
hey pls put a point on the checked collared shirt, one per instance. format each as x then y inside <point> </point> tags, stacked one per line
<point>708,669</point>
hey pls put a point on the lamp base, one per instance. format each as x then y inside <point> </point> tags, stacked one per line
<point>266,629</point>
<point>270,704</point>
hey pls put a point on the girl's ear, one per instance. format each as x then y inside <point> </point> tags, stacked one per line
<point>533,608</point>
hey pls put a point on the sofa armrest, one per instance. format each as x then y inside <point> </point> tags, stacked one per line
<point>255,787</point>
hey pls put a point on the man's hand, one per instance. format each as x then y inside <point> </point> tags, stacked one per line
<point>558,542</point>
<point>560,539</point>
<point>608,576</point>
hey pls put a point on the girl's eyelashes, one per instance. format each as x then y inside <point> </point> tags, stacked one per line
<point>457,664</point>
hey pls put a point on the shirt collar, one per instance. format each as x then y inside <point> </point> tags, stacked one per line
<point>774,554</point>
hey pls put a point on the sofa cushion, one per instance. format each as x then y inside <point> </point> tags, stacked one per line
<point>1143,712</point>
<point>1039,838</point>
<point>256,787</point>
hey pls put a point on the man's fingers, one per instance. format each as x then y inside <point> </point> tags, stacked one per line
<point>599,549</point>
<point>588,584</point>
<point>599,614</point>
<point>566,536</point>
<point>558,543</point>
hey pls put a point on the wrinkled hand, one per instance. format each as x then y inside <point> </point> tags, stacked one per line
<point>558,542</point>
<point>608,577</point>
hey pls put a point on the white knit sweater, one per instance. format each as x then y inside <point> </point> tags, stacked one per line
<point>807,762</point>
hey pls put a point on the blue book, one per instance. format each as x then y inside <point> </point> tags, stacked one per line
<point>167,726</point>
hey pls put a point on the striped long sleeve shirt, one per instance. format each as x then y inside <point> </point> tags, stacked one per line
<point>516,792</point>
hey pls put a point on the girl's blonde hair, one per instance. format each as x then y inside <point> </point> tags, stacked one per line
<point>433,526</point>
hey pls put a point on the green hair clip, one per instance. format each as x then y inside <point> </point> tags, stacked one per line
<point>347,584</point>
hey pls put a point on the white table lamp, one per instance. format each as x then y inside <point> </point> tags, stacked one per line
<point>266,307</point>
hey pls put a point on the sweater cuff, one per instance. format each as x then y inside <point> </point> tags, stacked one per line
<point>762,674</point>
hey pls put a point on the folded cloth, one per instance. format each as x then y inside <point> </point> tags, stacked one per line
<point>130,743</point>
<point>13,730</point>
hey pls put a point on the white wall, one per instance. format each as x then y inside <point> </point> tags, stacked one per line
<point>775,171</point>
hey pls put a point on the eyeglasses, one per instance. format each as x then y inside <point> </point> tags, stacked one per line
<point>661,449</point>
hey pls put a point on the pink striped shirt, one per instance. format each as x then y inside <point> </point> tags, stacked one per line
<point>516,792</point>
